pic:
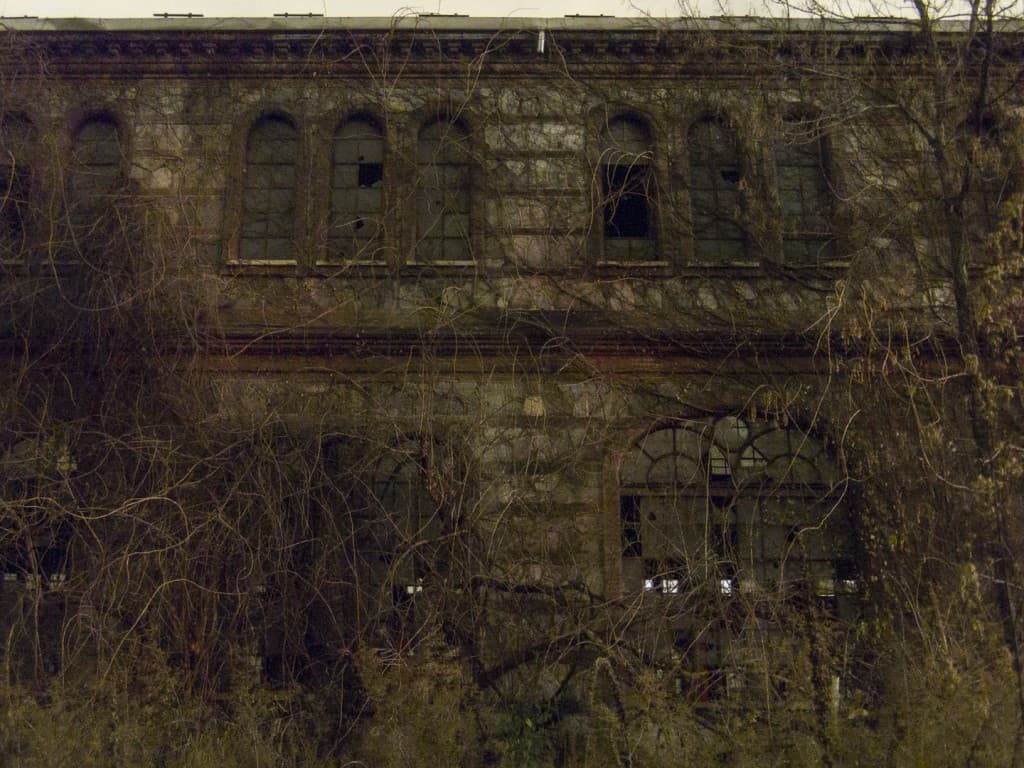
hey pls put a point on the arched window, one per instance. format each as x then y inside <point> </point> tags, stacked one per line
<point>399,538</point>
<point>357,183</point>
<point>17,146</point>
<point>268,205</point>
<point>729,500</point>
<point>735,519</point>
<point>715,193</point>
<point>96,172</point>
<point>409,520</point>
<point>627,191</point>
<point>443,193</point>
<point>805,194</point>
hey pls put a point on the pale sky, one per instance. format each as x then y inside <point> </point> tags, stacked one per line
<point>493,8</point>
<point>500,8</point>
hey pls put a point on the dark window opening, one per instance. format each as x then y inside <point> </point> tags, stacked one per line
<point>626,191</point>
<point>370,174</point>
<point>399,544</point>
<point>288,654</point>
<point>17,143</point>
<point>275,672</point>
<point>724,541</point>
<point>403,594</point>
<point>34,565</point>
<point>14,186</point>
<point>627,212</point>
<point>846,586</point>
<point>629,512</point>
<point>37,559</point>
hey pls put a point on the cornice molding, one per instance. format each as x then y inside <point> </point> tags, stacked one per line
<point>338,51</point>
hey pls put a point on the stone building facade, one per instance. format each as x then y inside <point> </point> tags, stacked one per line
<point>561,299</point>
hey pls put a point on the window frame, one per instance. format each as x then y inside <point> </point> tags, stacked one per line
<point>725,606</point>
<point>824,184</point>
<point>741,218</point>
<point>377,244</point>
<point>650,245</point>
<point>403,528</point>
<point>472,236</point>
<point>305,197</point>
<point>246,166</point>
<point>94,205</point>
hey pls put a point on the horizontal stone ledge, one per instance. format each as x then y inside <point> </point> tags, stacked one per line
<point>540,338</point>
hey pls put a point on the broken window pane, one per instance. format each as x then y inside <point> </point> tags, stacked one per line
<point>626,210</point>
<point>735,513</point>
<point>663,577</point>
<point>356,193</point>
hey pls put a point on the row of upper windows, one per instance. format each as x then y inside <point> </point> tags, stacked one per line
<point>627,209</point>
<point>717,221</point>
<point>355,224</point>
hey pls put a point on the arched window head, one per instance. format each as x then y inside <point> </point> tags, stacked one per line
<point>443,193</point>
<point>715,193</point>
<point>805,194</point>
<point>627,191</point>
<point>97,170</point>
<point>268,205</point>
<point>357,186</point>
<point>17,148</point>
